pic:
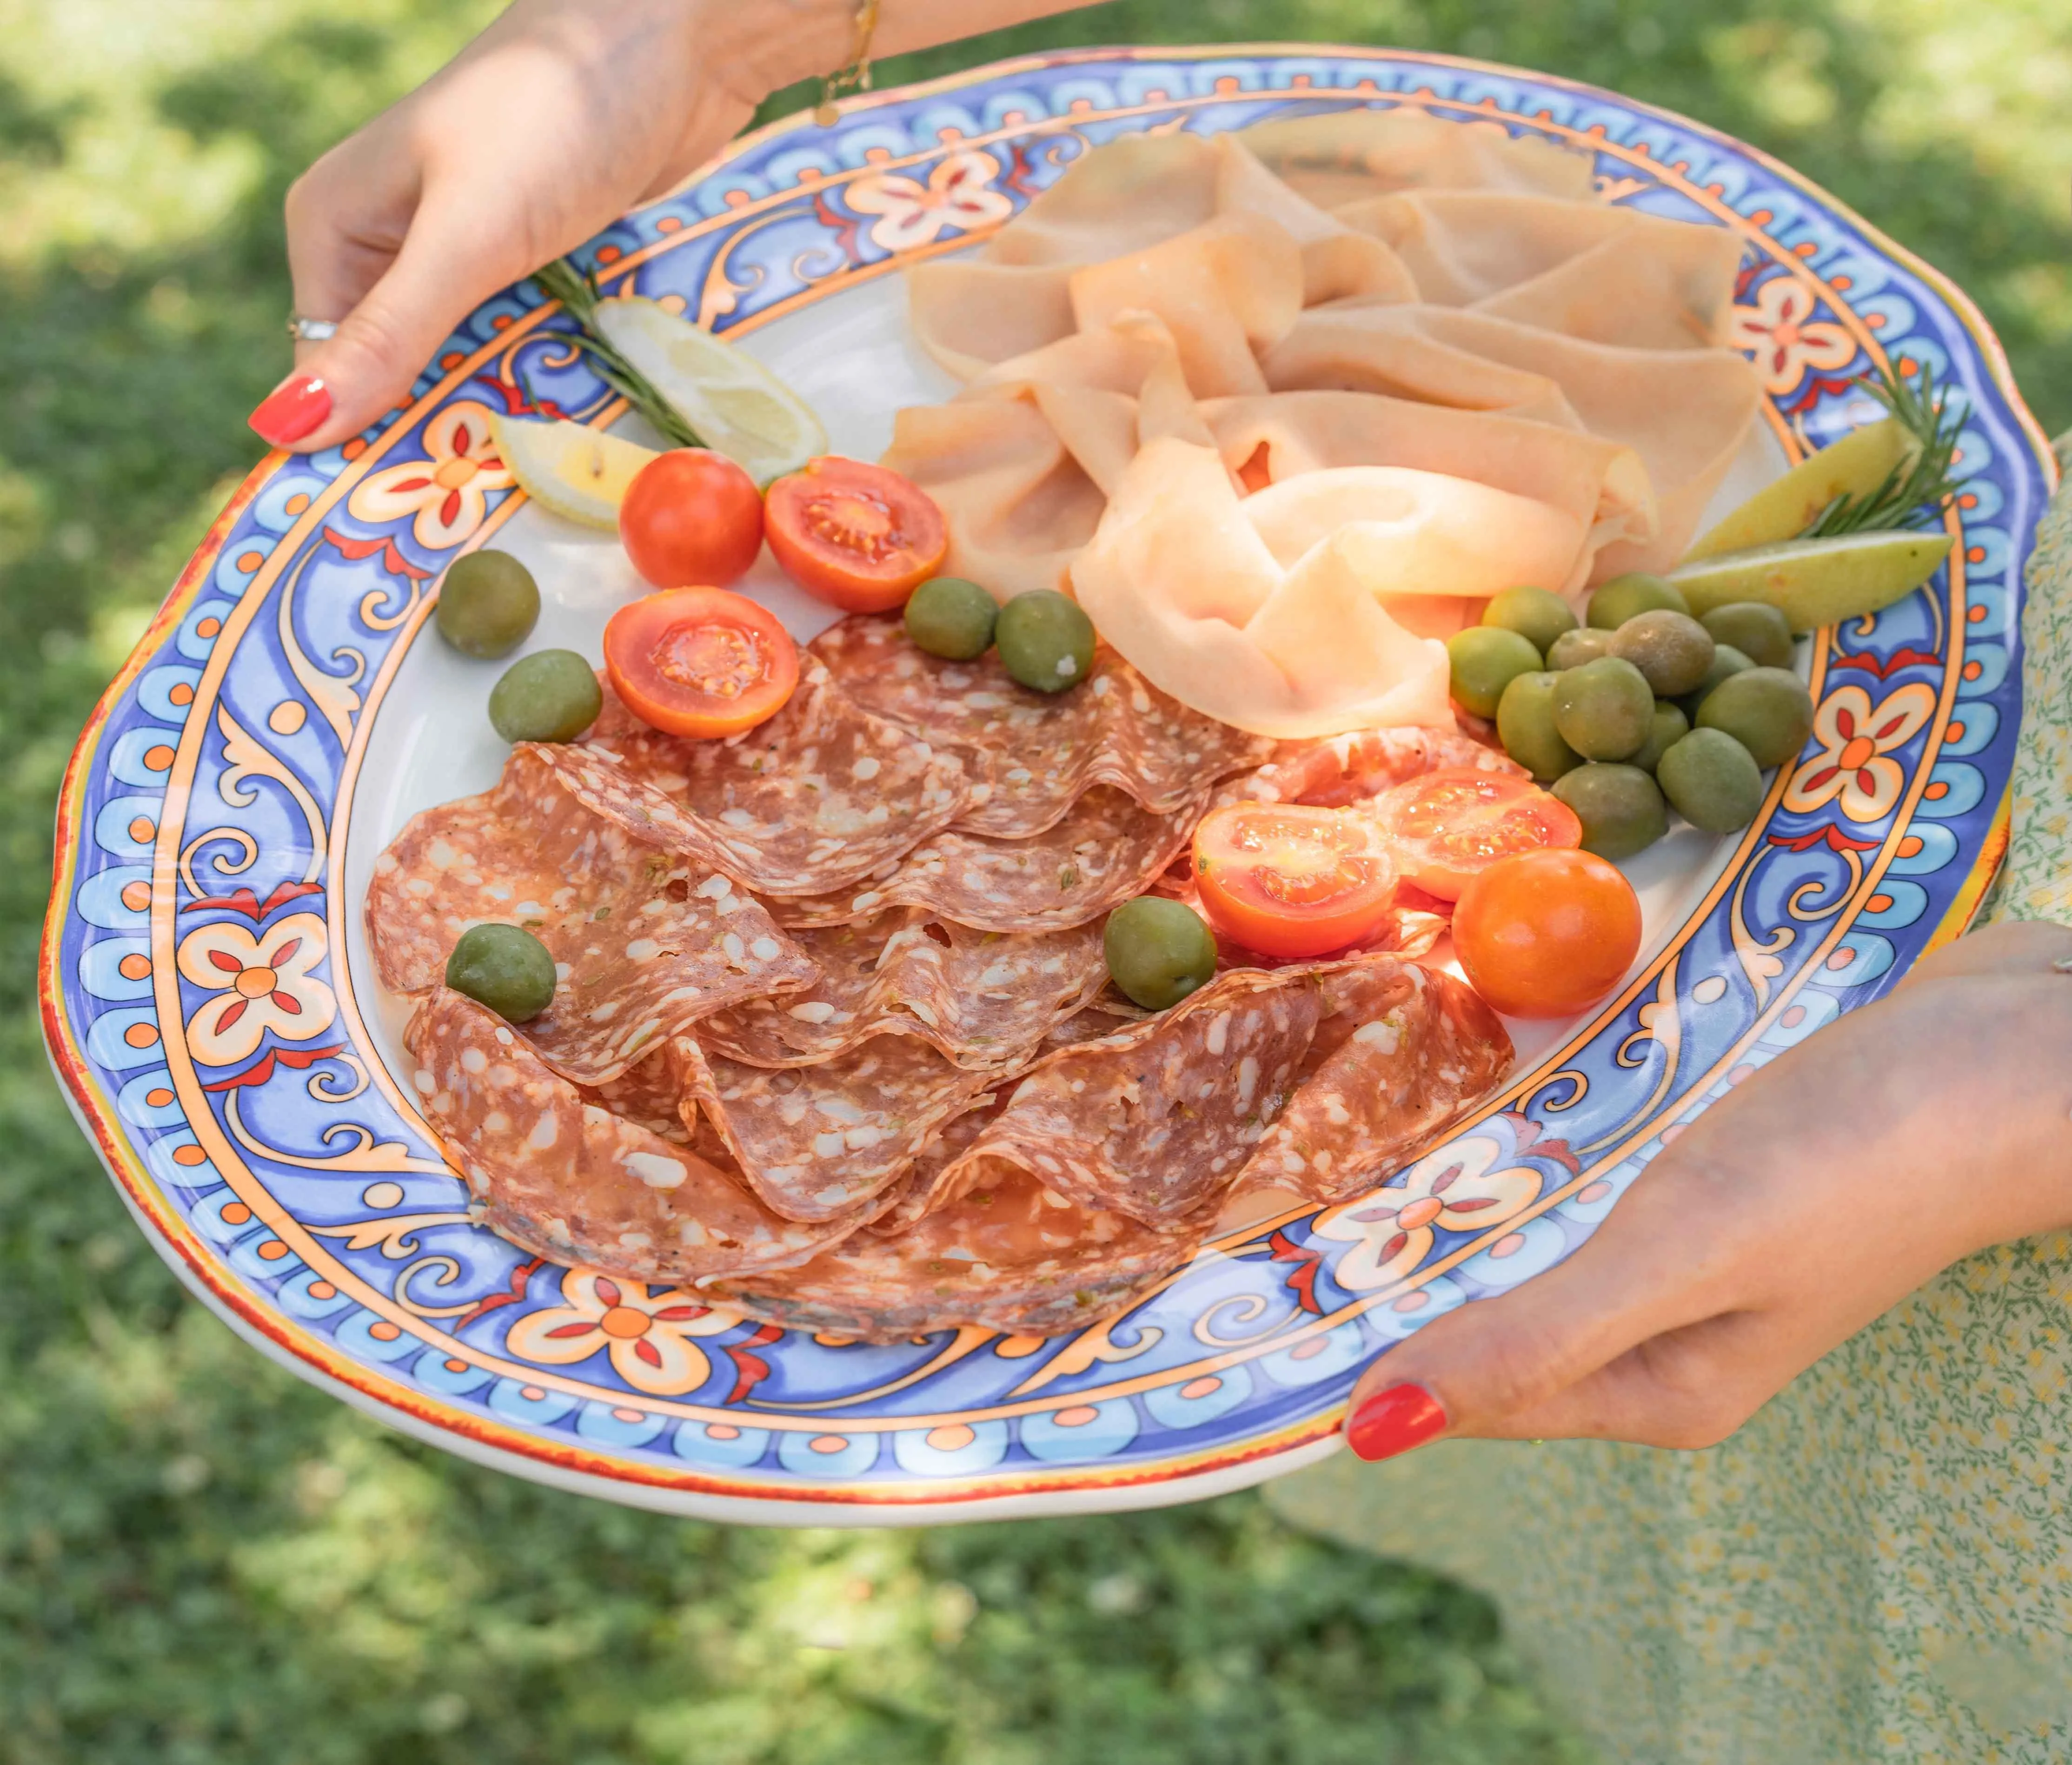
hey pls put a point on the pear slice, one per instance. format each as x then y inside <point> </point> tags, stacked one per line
<point>736,405</point>
<point>578,472</point>
<point>1855,466</point>
<point>1817,582</point>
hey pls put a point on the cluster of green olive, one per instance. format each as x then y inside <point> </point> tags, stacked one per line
<point>1045,641</point>
<point>1640,709</point>
<point>488,605</point>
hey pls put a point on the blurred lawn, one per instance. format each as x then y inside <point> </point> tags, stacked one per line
<point>202,1560</point>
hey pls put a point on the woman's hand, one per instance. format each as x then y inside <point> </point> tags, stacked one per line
<point>1832,1183</point>
<point>556,120</point>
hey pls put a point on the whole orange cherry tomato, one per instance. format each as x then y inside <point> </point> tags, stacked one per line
<point>691,518</point>
<point>1547,934</point>
<point>857,536</point>
<point>1287,880</point>
<point>1444,827</point>
<point>700,661</point>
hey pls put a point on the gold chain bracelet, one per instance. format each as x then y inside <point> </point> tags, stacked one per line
<point>856,75</point>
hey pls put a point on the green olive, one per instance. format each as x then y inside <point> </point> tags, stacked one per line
<point>549,696</point>
<point>505,967</point>
<point>1759,630</point>
<point>1672,650</point>
<point>488,604</point>
<point>1619,807</point>
<point>1726,660</point>
<point>1768,711</point>
<point>1537,615</point>
<point>1604,708</point>
<point>1572,649</point>
<point>1712,780</point>
<point>1158,951</point>
<point>952,618</point>
<point>1525,725</point>
<point>1670,725</point>
<point>1618,600</point>
<point>1486,659</point>
<point>1046,641</point>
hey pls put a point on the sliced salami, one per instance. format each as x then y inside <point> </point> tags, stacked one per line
<point>821,795</point>
<point>1008,1254</point>
<point>1157,1120</point>
<point>566,1179</point>
<point>818,1142</point>
<point>1033,754</point>
<point>924,1189</point>
<point>1402,1051</point>
<point>981,998</point>
<point>648,940</point>
<point>1105,851</point>
<point>1338,770</point>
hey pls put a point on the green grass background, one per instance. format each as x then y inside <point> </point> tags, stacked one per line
<point>203,1559</point>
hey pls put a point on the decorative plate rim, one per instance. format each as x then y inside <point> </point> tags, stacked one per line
<point>1175,1475</point>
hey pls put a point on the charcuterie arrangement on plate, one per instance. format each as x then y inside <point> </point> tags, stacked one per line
<point>1197,699</point>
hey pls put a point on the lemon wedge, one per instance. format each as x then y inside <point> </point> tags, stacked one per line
<point>737,406</point>
<point>1855,466</point>
<point>576,472</point>
<point>1817,582</point>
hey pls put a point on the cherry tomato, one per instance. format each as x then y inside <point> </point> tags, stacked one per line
<point>1444,827</point>
<point>700,661</point>
<point>1547,934</point>
<point>691,517</point>
<point>858,537</point>
<point>1287,880</point>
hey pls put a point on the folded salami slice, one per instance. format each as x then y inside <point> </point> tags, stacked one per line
<point>1401,1053</point>
<point>1334,771</point>
<point>924,1189</point>
<point>821,795</point>
<point>1105,851</point>
<point>1034,753</point>
<point>568,1180</point>
<point>982,998</point>
<point>1157,1120</point>
<point>820,1141</point>
<point>648,940</point>
<point>1008,1254</point>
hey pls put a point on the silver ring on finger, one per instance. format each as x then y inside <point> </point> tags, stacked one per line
<point>311,331</point>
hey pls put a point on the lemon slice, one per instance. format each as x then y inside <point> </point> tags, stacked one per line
<point>578,472</point>
<point>1817,582</point>
<point>737,406</point>
<point>1855,466</point>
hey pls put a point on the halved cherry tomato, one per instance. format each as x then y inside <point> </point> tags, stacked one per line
<point>1447,826</point>
<point>690,517</point>
<point>857,536</point>
<point>700,661</point>
<point>1547,934</point>
<point>1287,880</point>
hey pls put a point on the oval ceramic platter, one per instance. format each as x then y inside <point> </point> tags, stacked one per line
<point>288,711</point>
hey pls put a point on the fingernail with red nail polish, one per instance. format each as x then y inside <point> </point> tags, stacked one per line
<point>1394,1421</point>
<point>291,410</point>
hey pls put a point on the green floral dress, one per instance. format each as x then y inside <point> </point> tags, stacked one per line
<point>1878,1568</point>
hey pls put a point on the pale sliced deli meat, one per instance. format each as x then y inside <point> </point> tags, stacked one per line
<point>567,1179</point>
<point>821,794</point>
<point>1104,852</point>
<point>981,998</point>
<point>1033,754</point>
<point>645,939</point>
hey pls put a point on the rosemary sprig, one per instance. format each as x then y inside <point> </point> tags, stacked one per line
<point>1914,491</point>
<point>579,294</point>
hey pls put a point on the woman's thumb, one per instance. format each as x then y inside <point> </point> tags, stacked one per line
<point>344,383</point>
